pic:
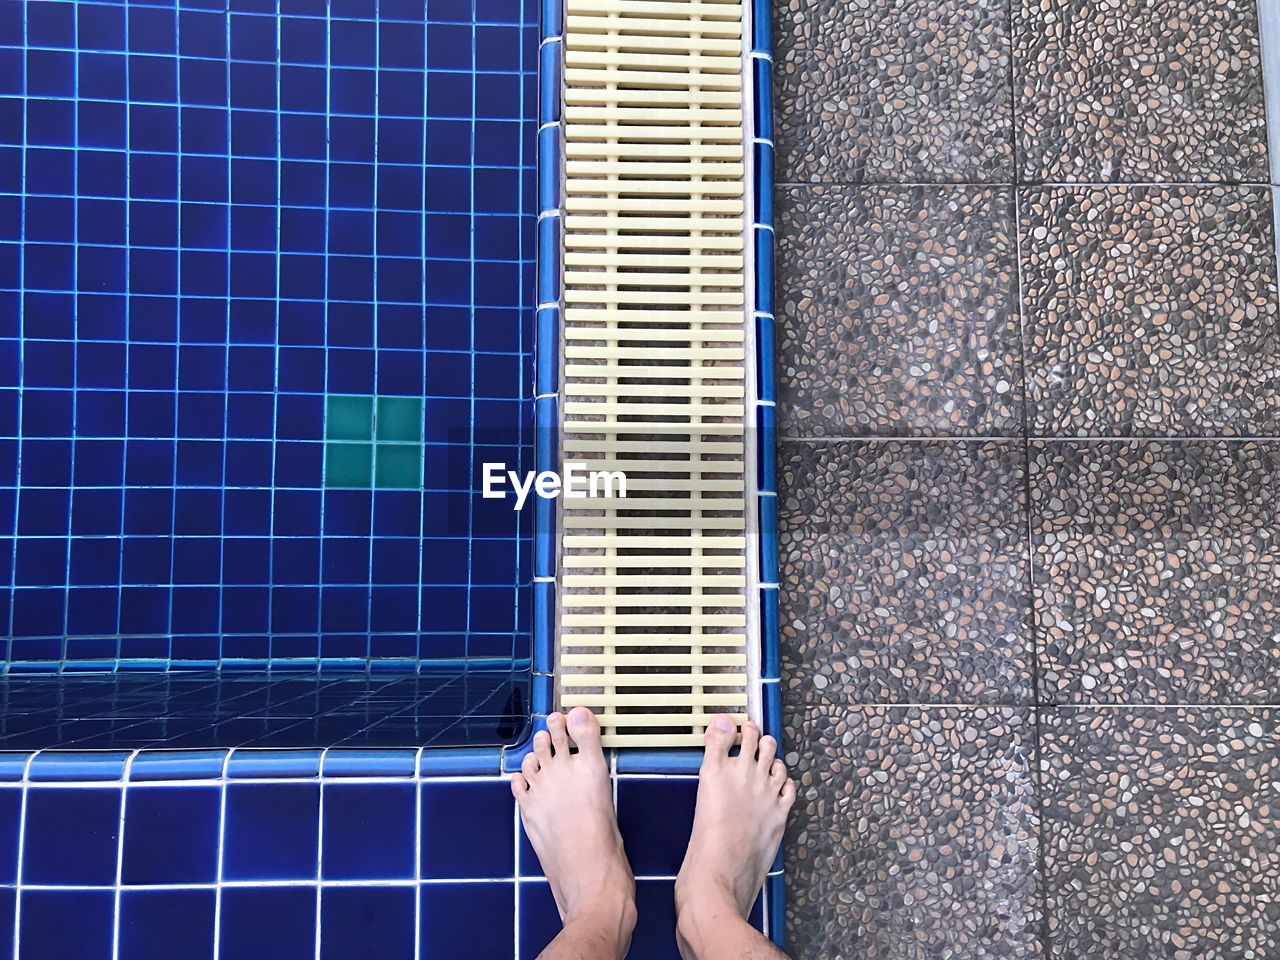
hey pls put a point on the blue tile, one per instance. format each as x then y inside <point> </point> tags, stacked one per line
<point>8,908</point>
<point>549,57</point>
<point>171,835</point>
<point>655,936</point>
<point>369,831</point>
<point>539,919</point>
<point>162,924</point>
<point>485,848</point>
<point>767,446</point>
<point>768,506</point>
<point>655,816</point>
<point>10,824</point>
<point>468,920</point>
<point>766,362</point>
<point>275,922</point>
<point>764,270</point>
<point>762,183</point>
<point>66,925</point>
<point>762,84</point>
<point>770,667</point>
<point>367,922</point>
<point>71,836</point>
<point>272,831</point>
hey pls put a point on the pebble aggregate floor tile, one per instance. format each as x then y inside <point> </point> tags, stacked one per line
<point>1143,90</point>
<point>914,835</point>
<point>1160,833</point>
<point>1157,577</point>
<point>893,90</point>
<point>1150,311</point>
<point>906,570</point>
<point>898,312</point>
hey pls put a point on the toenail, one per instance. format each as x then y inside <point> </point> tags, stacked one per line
<point>724,724</point>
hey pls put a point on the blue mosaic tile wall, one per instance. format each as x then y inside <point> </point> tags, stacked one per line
<point>219,223</point>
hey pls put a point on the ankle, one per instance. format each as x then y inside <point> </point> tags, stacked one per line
<point>702,917</point>
<point>607,918</point>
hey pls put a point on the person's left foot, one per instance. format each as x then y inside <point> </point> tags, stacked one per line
<point>566,804</point>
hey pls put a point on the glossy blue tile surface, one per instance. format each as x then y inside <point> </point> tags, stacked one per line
<point>451,854</point>
<point>468,920</point>
<point>70,836</point>
<point>539,919</point>
<point>366,826</point>
<point>65,925</point>
<point>262,922</point>
<point>367,922</point>
<point>162,924</point>
<point>655,816</point>
<point>214,219</point>
<point>272,831</point>
<point>171,835</point>
<point>10,825</point>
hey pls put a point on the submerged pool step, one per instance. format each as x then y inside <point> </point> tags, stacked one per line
<point>654,609</point>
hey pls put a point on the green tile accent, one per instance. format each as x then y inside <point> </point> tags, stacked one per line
<point>348,465</point>
<point>348,417</point>
<point>398,466</point>
<point>400,418</point>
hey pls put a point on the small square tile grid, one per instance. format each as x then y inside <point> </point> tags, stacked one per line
<point>237,855</point>
<point>239,245</point>
<point>1030,706</point>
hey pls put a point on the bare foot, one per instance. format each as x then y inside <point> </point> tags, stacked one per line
<point>741,812</point>
<point>566,804</point>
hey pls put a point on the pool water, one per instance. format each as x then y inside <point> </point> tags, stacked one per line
<point>265,307</point>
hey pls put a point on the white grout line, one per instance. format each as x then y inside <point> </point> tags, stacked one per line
<point>222,836</point>
<point>115,907</point>
<point>1269,42</point>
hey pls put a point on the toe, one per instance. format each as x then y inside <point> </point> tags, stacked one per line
<point>768,749</point>
<point>530,766</point>
<point>559,735</point>
<point>519,786</point>
<point>777,773</point>
<point>750,740</point>
<point>788,795</point>
<point>542,746</point>
<point>585,730</point>
<point>719,738</point>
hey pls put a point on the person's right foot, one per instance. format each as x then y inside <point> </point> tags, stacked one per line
<point>741,812</point>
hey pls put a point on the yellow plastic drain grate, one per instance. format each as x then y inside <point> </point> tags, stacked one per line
<point>653,591</point>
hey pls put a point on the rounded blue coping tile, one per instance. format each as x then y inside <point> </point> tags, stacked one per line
<point>342,762</point>
<point>65,765</point>
<point>178,765</point>
<point>164,924</point>
<point>249,763</point>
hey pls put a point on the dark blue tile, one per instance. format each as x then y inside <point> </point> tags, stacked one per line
<point>467,830</point>
<point>163,924</point>
<point>655,936</point>
<point>272,831</point>
<point>539,919</point>
<point>468,920</point>
<point>357,922</point>
<point>8,908</point>
<point>171,835</point>
<point>369,831</point>
<point>66,925</point>
<point>655,816</point>
<point>10,824</point>
<point>262,922</point>
<point>71,836</point>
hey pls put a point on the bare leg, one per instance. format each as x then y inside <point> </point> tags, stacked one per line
<point>567,809</point>
<point>742,809</point>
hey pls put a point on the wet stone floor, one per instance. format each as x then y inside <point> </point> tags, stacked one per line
<point>1029,401</point>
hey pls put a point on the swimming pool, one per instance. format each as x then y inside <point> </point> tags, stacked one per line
<point>265,306</point>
